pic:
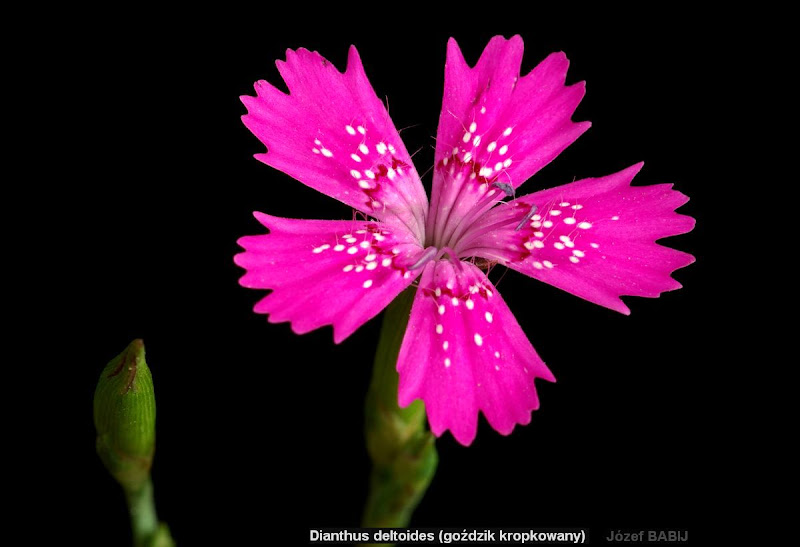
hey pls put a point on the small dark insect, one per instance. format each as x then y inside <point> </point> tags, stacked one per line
<point>507,188</point>
<point>527,217</point>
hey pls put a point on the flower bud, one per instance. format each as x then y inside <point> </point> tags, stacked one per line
<point>125,417</point>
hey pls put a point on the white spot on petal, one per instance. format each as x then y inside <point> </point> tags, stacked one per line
<point>352,250</point>
<point>538,265</point>
<point>497,354</point>
<point>362,130</point>
<point>476,141</point>
<point>470,304</point>
<point>555,212</point>
<point>327,153</point>
<point>503,150</point>
<point>441,309</point>
<point>321,248</point>
<point>538,244</point>
<point>356,157</point>
<point>445,345</point>
<point>615,217</point>
<point>492,146</point>
<point>467,137</point>
<point>574,259</point>
<point>508,131</point>
<point>507,163</point>
<point>584,225</point>
<point>439,329</point>
<point>577,207</point>
<point>547,223</point>
<point>558,245</point>
<point>364,244</point>
<point>594,245</point>
<point>339,247</point>
<point>478,339</point>
<point>364,149</point>
<point>350,129</point>
<point>356,174</point>
<point>447,362</point>
<point>367,283</point>
<point>381,148</point>
<point>348,268</point>
<point>488,317</point>
<point>386,262</point>
<point>473,127</point>
<point>363,184</point>
<point>370,257</point>
<point>547,264</point>
<point>454,301</point>
<point>569,220</point>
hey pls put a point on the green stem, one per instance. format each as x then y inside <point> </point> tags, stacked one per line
<point>402,450</point>
<point>141,505</point>
<point>147,531</point>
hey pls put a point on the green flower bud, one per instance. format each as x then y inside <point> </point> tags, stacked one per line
<point>125,417</point>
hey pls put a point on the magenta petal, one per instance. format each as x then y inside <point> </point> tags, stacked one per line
<point>595,238</point>
<point>497,127</point>
<point>333,134</point>
<point>464,351</point>
<point>339,273</point>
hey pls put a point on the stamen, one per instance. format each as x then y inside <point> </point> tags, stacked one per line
<point>524,221</point>
<point>452,255</point>
<point>507,188</point>
<point>426,257</point>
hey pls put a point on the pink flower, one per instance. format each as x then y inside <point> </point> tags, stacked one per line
<point>463,350</point>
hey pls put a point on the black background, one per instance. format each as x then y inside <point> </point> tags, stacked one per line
<point>259,428</point>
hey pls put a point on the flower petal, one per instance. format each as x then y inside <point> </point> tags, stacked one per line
<point>594,238</point>
<point>464,351</point>
<point>339,273</point>
<point>333,134</point>
<point>496,127</point>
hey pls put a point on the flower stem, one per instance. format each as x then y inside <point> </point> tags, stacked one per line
<point>402,450</point>
<point>147,531</point>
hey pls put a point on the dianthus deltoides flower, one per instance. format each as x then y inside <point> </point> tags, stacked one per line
<point>463,350</point>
